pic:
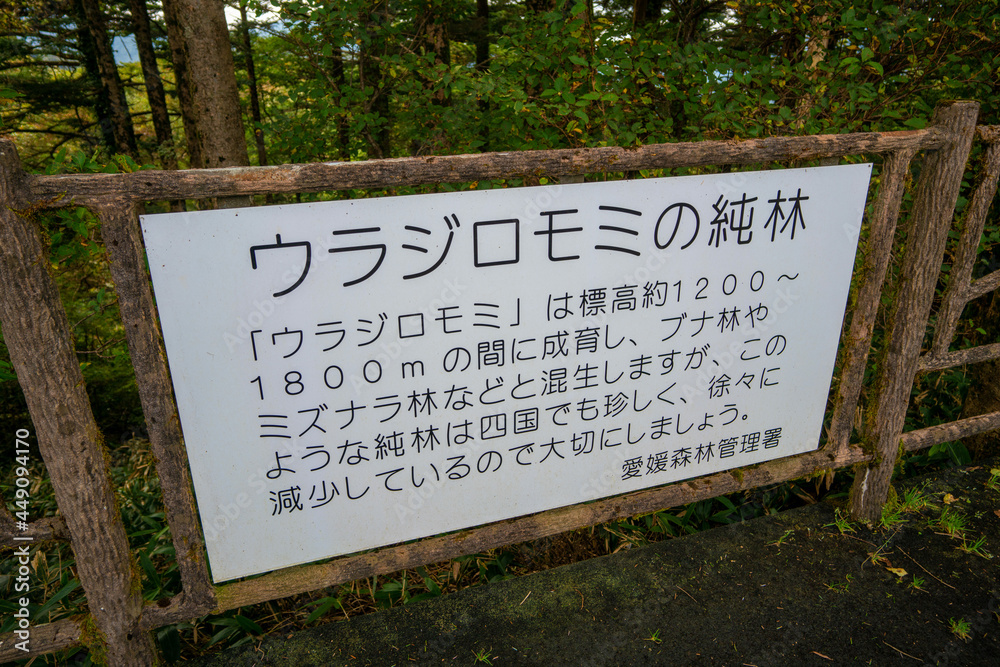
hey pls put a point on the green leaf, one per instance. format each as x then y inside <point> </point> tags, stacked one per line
<point>150,570</point>
<point>41,614</point>
<point>323,605</point>
<point>249,626</point>
<point>170,643</point>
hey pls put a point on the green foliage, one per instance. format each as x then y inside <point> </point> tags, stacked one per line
<point>581,76</point>
<point>841,586</point>
<point>951,522</point>
<point>233,626</point>
<point>961,628</point>
<point>976,547</point>
<point>482,656</point>
<point>993,482</point>
<point>896,509</point>
<point>842,522</point>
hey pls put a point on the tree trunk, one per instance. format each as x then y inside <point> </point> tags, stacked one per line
<point>154,84</point>
<point>212,80</point>
<point>179,57</point>
<point>432,42</point>
<point>102,105</point>
<point>258,133</point>
<point>482,37</point>
<point>370,74</point>
<point>483,66</point>
<point>340,78</point>
<point>122,133</point>
<point>817,45</point>
<point>539,6</point>
<point>645,12</point>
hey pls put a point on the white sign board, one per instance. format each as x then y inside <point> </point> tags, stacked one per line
<point>358,373</point>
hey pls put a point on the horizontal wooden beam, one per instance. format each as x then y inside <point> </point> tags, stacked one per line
<point>42,530</point>
<point>45,638</point>
<point>971,355</point>
<point>65,190</point>
<point>301,579</point>
<point>988,133</point>
<point>981,286</point>
<point>956,430</point>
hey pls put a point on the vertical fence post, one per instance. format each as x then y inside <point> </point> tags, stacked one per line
<point>36,331</point>
<point>854,355</point>
<point>933,210</point>
<point>122,239</point>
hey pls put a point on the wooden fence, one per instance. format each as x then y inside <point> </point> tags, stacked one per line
<point>37,333</point>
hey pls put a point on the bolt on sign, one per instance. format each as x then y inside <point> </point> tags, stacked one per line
<point>352,374</point>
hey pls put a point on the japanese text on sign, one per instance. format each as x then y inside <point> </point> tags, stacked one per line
<point>358,373</point>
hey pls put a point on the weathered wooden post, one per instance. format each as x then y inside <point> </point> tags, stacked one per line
<point>933,209</point>
<point>120,232</point>
<point>36,331</point>
<point>854,355</point>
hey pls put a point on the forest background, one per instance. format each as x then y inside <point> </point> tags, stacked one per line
<point>300,81</point>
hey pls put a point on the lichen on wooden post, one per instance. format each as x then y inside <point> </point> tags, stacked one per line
<point>854,356</point>
<point>933,210</point>
<point>36,331</point>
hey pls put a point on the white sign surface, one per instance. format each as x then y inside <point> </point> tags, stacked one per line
<point>359,373</point>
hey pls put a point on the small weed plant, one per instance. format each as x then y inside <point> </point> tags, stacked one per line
<point>483,656</point>
<point>961,628</point>
<point>952,523</point>
<point>841,586</point>
<point>976,547</point>
<point>841,522</point>
<point>993,483</point>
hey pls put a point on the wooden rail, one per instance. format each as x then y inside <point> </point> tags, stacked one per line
<point>56,191</point>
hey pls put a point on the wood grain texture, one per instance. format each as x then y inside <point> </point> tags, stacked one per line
<point>36,332</point>
<point>878,250</point>
<point>981,286</point>
<point>956,430</point>
<point>203,183</point>
<point>971,355</point>
<point>41,530</point>
<point>123,241</point>
<point>988,133</point>
<point>933,209</point>
<point>966,251</point>
<point>45,638</point>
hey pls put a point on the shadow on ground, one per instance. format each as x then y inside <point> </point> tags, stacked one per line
<point>789,589</point>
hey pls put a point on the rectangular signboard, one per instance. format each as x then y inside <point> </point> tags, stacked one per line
<point>353,374</point>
